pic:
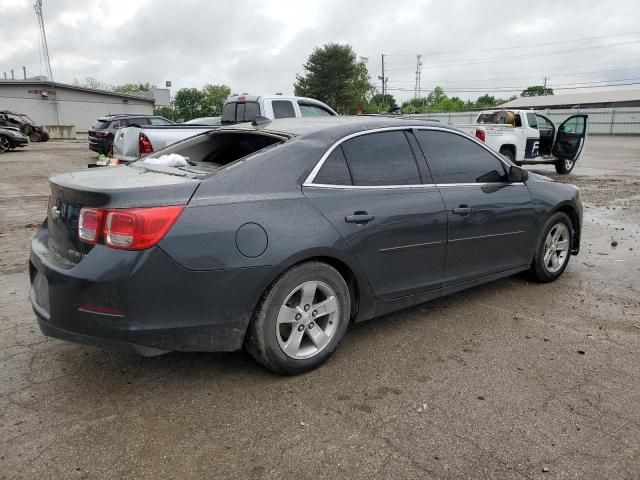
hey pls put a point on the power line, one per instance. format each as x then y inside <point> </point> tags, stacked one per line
<point>532,76</point>
<point>532,55</point>
<point>516,89</point>
<point>520,46</point>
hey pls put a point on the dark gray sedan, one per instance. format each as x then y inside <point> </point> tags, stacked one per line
<point>276,236</point>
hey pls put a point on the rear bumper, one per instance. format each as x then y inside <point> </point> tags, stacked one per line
<point>55,332</point>
<point>141,302</point>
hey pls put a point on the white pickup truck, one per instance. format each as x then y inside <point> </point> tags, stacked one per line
<point>528,137</point>
<point>132,142</point>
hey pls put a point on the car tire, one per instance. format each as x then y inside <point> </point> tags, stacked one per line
<point>5,144</point>
<point>564,166</point>
<point>35,137</point>
<point>553,250</point>
<point>300,320</point>
<point>45,137</point>
<point>507,152</point>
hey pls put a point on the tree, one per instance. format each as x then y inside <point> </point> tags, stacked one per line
<point>376,104</point>
<point>133,88</point>
<point>94,83</point>
<point>188,103</point>
<point>214,97</point>
<point>334,74</point>
<point>537,91</point>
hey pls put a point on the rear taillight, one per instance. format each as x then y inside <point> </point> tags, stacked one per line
<point>128,229</point>
<point>480,135</point>
<point>144,144</point>
<point>89,225</point>
<point>102,134</point>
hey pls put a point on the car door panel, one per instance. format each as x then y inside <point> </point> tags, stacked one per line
<point>570,138</point>
<point>490,221</point>
<point>494,235</point>
<point>402,248</point>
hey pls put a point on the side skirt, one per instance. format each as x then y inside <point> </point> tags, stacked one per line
<point>389,306</point>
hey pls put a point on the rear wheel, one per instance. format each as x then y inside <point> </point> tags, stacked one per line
<point>553,252</point>
<point>300,320</point>
<point>35,137</point>
<point>5,144</point>
<point>507,152</point>
<point>564,166</point>
<point>45,137</point>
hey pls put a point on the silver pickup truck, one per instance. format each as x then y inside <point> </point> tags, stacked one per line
<point>133,142</point>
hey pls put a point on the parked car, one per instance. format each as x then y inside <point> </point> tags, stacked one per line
<point>277,236</point>
<point>214,121</point>
<point>102,133</point>
<point>527,137</point>
<point>11,138</point>
<point>133,142</point>
<point>244,108</point>
<point>24,124</point>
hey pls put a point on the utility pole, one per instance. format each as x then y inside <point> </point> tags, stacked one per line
<point>545,83</point>
<point>37,5</point>
<point>418,89</point>
<point>383,79</point>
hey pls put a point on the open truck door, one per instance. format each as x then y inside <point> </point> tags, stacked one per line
<point>569,142</point>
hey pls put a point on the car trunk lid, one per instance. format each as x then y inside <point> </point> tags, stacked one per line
<point>113,187</point>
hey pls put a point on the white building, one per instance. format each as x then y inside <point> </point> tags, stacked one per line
<point>76,106</point>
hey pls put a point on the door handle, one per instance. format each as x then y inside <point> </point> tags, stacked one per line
<point>462,210</point>
<point>359,217</point>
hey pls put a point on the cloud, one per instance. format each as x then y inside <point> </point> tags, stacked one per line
<point>259,46</point>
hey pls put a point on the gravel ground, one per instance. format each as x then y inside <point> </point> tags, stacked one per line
<point>508,380</point>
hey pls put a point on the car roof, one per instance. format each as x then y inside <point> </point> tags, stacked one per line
<point>337,127</point>
<point>105,118</point>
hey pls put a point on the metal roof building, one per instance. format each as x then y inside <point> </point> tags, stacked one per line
<point>600,99</point>
<point>76,106</point>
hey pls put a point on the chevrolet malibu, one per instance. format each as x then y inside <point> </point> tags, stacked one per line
<point>276,235</point>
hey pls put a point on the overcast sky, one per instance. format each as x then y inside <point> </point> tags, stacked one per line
<point>259,46</point>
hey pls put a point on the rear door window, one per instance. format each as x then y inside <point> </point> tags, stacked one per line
<point>380,159</point>
<point>335,170</point>
<point>309,110</point>
<point>159,121</point>
<point>283,109</point>
<point>531,118</point>
<point>453,158</point>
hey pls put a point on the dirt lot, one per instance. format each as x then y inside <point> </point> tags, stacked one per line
<point>508,380</point>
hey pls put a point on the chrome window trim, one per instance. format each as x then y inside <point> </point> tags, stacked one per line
<point>312,175</point>
<point>400,187</point>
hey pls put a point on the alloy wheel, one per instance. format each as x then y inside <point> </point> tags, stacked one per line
<point>556,248</point>
<point>307,320</point>
<point>4,145</point>
<point>568,165</point>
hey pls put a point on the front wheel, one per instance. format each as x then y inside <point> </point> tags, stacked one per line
<point>300,320</point>
<point>564,166</point>
<point>553,252</point>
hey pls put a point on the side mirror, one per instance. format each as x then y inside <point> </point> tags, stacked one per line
<point>517,174</point>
